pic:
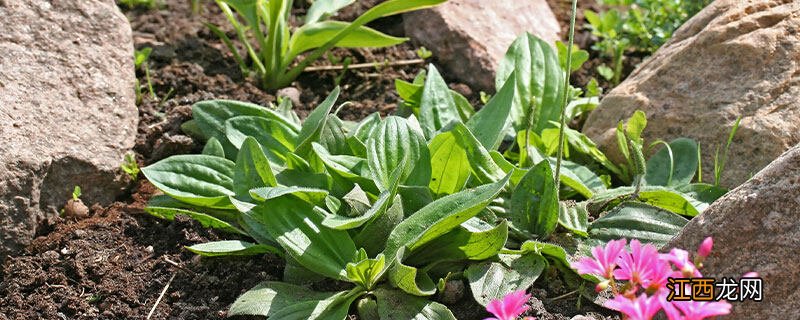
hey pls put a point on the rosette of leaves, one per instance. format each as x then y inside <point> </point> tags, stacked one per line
<point>271,46</point>
<point>398,207</point>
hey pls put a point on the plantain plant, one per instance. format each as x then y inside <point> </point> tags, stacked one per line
<point>397,208</point>
<point>273,46</point>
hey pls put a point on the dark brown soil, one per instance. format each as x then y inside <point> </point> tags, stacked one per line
<point>115,264</point>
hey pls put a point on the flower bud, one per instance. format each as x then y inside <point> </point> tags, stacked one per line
<point>705,248</point>
<point>602,286</point>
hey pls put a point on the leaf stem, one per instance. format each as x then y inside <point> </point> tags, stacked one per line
<point>564,95</point>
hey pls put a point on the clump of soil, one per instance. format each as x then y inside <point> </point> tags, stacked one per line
<point>115,263</point>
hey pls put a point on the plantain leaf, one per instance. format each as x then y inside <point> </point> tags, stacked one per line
<point>638,221</point>
<point>200,180</point>
<point>449,165</point>
<point>493,280</point>
<point>673,165</point>
<point>312,127</point>
<point>267,298</point>
<point>539,81</point>
<point>395,144</point>
<point>276,139</point>
<point>396,305</point>
<point>490,123</point>
<point>534,203</point>
<point>437,108</point>
<point>297,227</point>
<point>320,9</point>
<point>231,248</point>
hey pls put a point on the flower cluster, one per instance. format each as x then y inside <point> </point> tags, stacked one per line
<point>646,272</point>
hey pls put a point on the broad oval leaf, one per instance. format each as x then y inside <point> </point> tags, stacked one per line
<point>269,297</point>
<point>310,195</point>
<point>312,127</point>
<point>437,108</point>
<point>252,169</point>
<point>472,240</point>
<point>200,180</point>
<point>674,164</point>
<point>534,203</point>
<point>638,221</point>
<point>276,138</point>
<point>440,217</point>
<point>396,305</point>
<point>450,168</point>
<point>395,144</point>
<point>574,217</point>
<point>298,228</point>
<point>494,280</point>
<point>539,81</point>
<point>323,8</point>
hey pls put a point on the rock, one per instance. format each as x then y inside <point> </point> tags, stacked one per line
<point>291,93</point>
<point>470,37</point>
<point>735,58</point>
<point>756,227</point>
<point>75,209</point>
<point>67,112</point>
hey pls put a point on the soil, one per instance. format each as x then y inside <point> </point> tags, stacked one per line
<point>116,263</point>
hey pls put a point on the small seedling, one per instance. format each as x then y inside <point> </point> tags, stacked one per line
<point>719,162</point>
<point>485,97</point>
<point>423,53</point>
<point>76,193</point>
<point>141,58</point>
<point>130,166</point>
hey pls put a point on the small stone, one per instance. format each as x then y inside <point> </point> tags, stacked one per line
<point>470,37</point>
<point>290,93</point>
<point>65,251</point>
<point>148,249</point>
<point>453,291</point>
<point>75,209</point>
<point>736,58</point>
<point>461,88</point>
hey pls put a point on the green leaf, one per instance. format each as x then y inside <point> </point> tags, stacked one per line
<point>231,248</point>
<point>574,217</point>
<point>393,144</point>
<point>396,305</point>
<point>276,138</point>
<point>320,9</point>
<point>206,220</point>
<point>472,240</point>
<point>480,161</point>
<point>214,148</point>
<point>269,297</point>
<point>440,217</point>
<point>539,81</point>
<point>490,123</point>
<point>636,125</point>
<point>252,169</point>
<point>638,221</point>
<point>703,192</point>
<point>312,127</point>
<point>409,278</point>
<point>578,56</point>
<point>449,165</point>
<point>674,165</point>
<point>297,227</point>
<point>210,117</point>
<point>437,108</point>
<point>494,280</point>
<point>334,307</point>
<point>367,272</point>
<point>200,180</point>
<point>309,195</point>
<point>315,35</point>
<point>671,200</point>
<point>534,203</point>
<point>373,235</point>
<point>333,136</point>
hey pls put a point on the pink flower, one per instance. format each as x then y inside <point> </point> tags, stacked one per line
<point>680,259</point>
<point>605,259</point>
<point>705,248</point>
<point>512,306</point>
<point>640,308</point>
<point>697,310</point>
<point>641,266</point>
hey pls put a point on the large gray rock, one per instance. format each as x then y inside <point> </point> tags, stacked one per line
<point>756,227</point>
<point>67,109</point>
<point>735,58</point>
<point>470,37</point>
